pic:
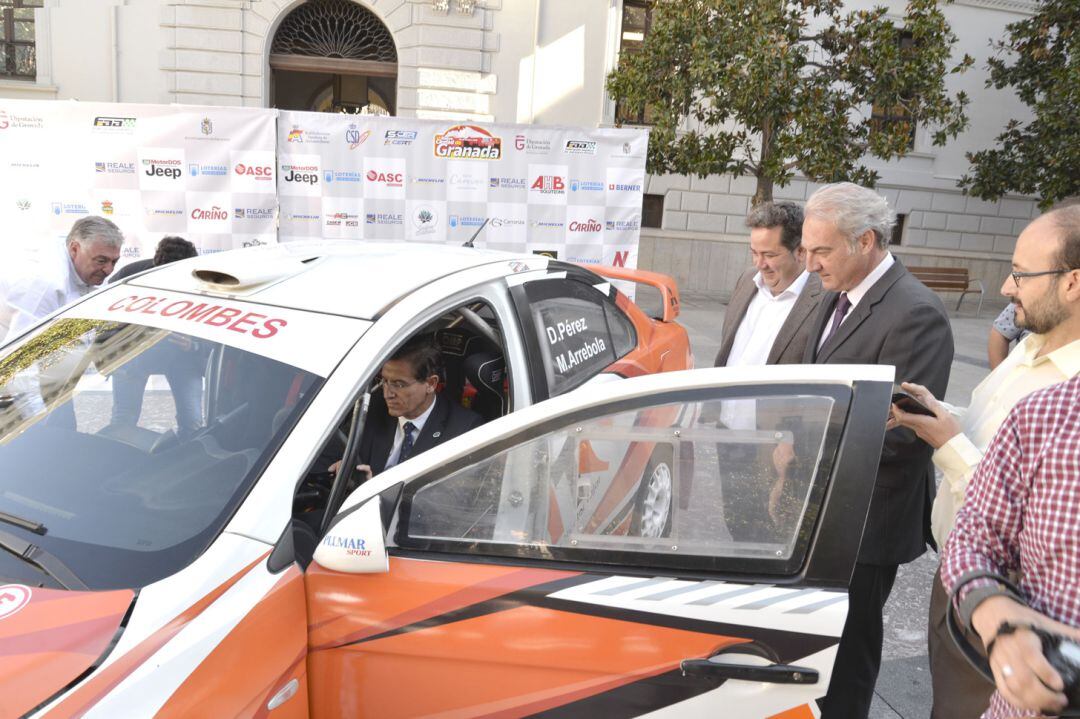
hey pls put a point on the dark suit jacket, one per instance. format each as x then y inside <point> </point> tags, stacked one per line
<point>446,421</point>
<point>131,268</point>
<point>899,322</point>
<point>790,343</point>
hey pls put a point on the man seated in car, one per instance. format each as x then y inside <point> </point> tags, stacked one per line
<point>407,416</point>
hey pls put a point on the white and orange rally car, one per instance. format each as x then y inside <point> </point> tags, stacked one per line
<point>673,544</point>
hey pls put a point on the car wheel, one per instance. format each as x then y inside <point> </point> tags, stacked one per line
<point>652,511</point>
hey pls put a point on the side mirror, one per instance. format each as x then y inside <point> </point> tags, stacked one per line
<point>356,543</point>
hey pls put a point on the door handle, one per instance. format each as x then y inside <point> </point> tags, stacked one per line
<point>772,673</point>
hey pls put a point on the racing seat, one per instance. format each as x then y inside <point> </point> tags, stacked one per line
<point>486,371</point>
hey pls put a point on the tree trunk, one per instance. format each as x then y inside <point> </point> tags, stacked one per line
<point>764,191</point>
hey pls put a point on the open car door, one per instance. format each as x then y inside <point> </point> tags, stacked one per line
<point>673,545</point>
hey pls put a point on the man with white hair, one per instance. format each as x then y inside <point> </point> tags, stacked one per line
<point>93,248</point>
<point>875,312</point>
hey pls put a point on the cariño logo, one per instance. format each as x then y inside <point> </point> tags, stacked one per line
<point>468,142</point>
<point>214,213</point>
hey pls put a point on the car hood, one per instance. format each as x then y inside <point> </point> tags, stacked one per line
<point>49,638</point>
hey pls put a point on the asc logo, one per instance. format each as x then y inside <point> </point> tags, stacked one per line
<point>163,168</point>
<point>256,172</point>
<point>390,179</point>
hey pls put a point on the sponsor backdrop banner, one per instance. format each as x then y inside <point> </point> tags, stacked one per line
<point>570,193</point>
<point>234,177</point>
<point>204,173</point>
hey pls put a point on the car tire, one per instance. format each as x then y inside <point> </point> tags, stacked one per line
<point>655,499</point>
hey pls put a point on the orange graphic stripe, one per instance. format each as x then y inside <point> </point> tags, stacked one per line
<point>92,691</point>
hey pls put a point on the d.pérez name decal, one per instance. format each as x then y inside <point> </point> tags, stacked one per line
<point>255,324</point>
<point>562,331</point>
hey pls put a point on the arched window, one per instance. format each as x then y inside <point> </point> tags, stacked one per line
<point>334,56</point>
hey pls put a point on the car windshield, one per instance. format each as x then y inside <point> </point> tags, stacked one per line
<point>126,448</point>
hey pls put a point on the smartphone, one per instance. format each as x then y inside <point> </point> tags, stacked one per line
<point>906,402</point>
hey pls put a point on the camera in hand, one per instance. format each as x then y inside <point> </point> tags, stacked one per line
<point>1063,654</point>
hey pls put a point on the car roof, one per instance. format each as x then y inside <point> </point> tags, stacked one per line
<point>352,278</point>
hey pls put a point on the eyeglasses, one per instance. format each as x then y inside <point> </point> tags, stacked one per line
<point>1017,276</point>
<point>396,385</point>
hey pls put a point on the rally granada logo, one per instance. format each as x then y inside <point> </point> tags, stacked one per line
<point>468,142</point>
<point>215,214</point>
<point>257,172</point>
<point>390,179</point>
<point>13,597</point>
<point>549,185</point>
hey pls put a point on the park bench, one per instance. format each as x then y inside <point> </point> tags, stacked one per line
<point>950,279</point>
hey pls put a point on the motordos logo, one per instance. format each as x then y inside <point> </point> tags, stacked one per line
<point>171,168</point>
<point>468,142</point>
<point>301,174</point>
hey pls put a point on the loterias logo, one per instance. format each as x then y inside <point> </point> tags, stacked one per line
<point>468,142</point>
<point>354,138</point>
<point>163,168</point>
<point>387,179</point>
<point>256,172</point>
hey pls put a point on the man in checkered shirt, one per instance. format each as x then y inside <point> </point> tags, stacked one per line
<point>1021,516</point>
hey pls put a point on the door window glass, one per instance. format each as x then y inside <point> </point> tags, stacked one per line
<point>672,479</point>
<point>579,331</point>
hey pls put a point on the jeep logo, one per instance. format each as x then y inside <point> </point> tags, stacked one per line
<point>309,178</point>
<point>159,171</point>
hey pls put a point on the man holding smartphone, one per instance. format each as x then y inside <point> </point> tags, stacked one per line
<point>1045,289</point>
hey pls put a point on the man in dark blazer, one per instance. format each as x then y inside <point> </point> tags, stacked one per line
<point>776,296</point>
<point>407,416</point>
<point>765,323</point>
<point>875,312</point>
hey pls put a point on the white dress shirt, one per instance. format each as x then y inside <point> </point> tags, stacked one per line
<point>1019,374</point>
<point>399,435</point>
<point>42,293</point>
<point>764,317</point>
<point>856,294</point>
<point>754,338</point>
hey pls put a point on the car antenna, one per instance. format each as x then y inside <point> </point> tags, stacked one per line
<point>478,230</point>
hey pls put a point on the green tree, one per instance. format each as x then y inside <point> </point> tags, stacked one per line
<point>1041,156</point>
<point>773,87</point>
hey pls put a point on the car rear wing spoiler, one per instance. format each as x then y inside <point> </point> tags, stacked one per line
<point>665,284</point>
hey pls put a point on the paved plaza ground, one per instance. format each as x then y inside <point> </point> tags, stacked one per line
<point>903,690</point>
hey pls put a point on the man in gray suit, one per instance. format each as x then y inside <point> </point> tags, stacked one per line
<point>765,321</point>
<point>875,312</point>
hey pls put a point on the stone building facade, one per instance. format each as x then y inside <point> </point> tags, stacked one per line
<point>529,61</point>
